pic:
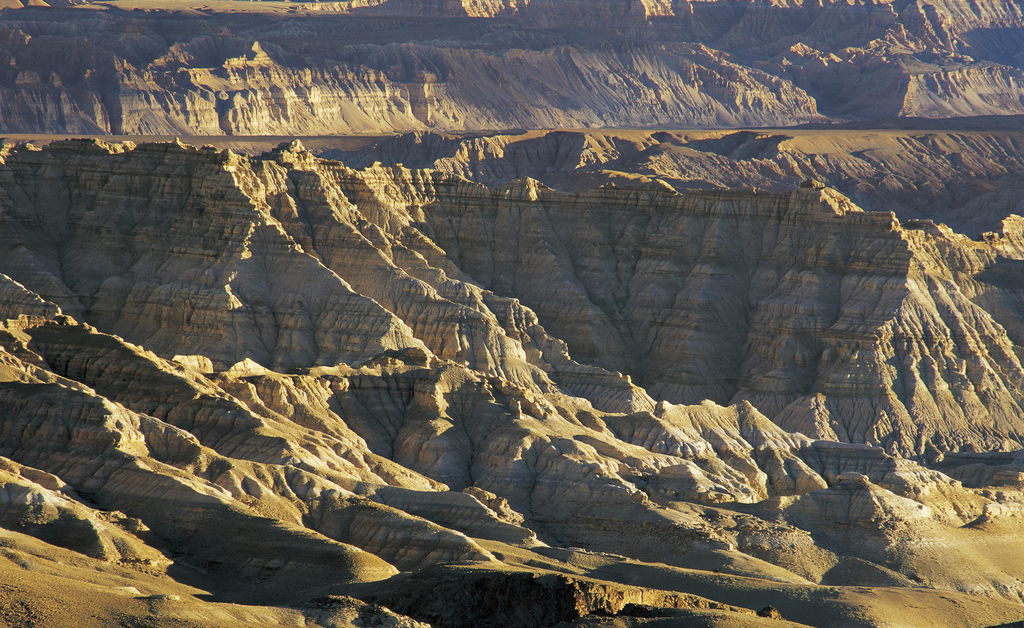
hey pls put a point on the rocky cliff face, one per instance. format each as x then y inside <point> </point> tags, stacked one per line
<point>811,309</point>
<point>796,302</point>
<point>279,380</point>
<point>217,84</point>
<point>358,67</point>
<point>964,173</point>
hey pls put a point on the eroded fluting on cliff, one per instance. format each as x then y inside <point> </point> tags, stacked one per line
<point>216,292</point>
<point>401,65</point>
<point>834,322</point>
<point>826,318</point>
<point>289,376</point>
<point>189,458</point>
<point>964,173</point>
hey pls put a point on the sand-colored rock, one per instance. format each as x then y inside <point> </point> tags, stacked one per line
<point>565,495</point>
<point>809,355</point>
<point>50,586</point>
<point>18,301</point>
<point>964,173</point>
<point>357,66</point>
<point>223,298</point>
<point>120,460</point>
<point>762,305</point>
<point>306,473</point>
<point>342,610</point>
<point>236,82</point>
<point>34,503</point>
<point>463,430</point>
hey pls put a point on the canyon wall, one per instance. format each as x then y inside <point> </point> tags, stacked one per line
<point>841,324</point>
<point>336,68</point>
<point>280,381</point>
<point>964,173</point>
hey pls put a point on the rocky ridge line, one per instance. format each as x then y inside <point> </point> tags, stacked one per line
<point>358,67</point>
<point>466,440</point>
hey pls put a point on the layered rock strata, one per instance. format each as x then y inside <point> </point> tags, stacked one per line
<point>250,454</point>
<point>837,323</point>
<point>832,321</point>
<point>964,173</point>
<point>397,65</point>
<point>178,83</point>
<point>293,380</point>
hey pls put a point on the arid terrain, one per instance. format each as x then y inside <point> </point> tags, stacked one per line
<point>373,66</point>
<point>267,380</point>
<point>605,314</point>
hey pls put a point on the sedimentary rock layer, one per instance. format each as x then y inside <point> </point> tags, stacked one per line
<point>378,66</point>
<point>280,380</point>
<point>835,322</point>
<point>965,173</point>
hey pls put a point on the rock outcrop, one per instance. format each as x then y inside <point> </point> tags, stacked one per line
<point>524,599</point>
<point>280,380</point>
<point>827,319</point>
<point>799,303</point>
<point>964,173</point>
<point>363,66</point>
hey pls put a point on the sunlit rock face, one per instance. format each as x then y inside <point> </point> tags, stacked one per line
<point>836,323</point>
<point>358,67</point>
<point>964,173</point>
<point>296,379</point>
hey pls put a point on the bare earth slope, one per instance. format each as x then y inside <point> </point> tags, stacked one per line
<point>370,66</point>
<point>279,381</point>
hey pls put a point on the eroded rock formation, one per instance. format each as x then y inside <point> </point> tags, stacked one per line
<point>965,173</point>
<point>830,320</point>
<point>281,381</point>
<point>397,65</point>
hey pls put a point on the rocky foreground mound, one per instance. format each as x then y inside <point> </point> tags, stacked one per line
<point>257,389</point>
<point>399,65</point>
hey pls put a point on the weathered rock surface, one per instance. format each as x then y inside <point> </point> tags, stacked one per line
<point>399,65</point>
<point>524,599</point>
<point>805,304</point>
<point>798,302</point>
<point>171,79</point>
<point>33,503</point>
<point>964,173</point>
<point>49,586</point>
<point>830,294</point>
<point>292,380</point>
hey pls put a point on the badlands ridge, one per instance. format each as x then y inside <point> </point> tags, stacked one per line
<point>279,390</point>
<point>378,66</point>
